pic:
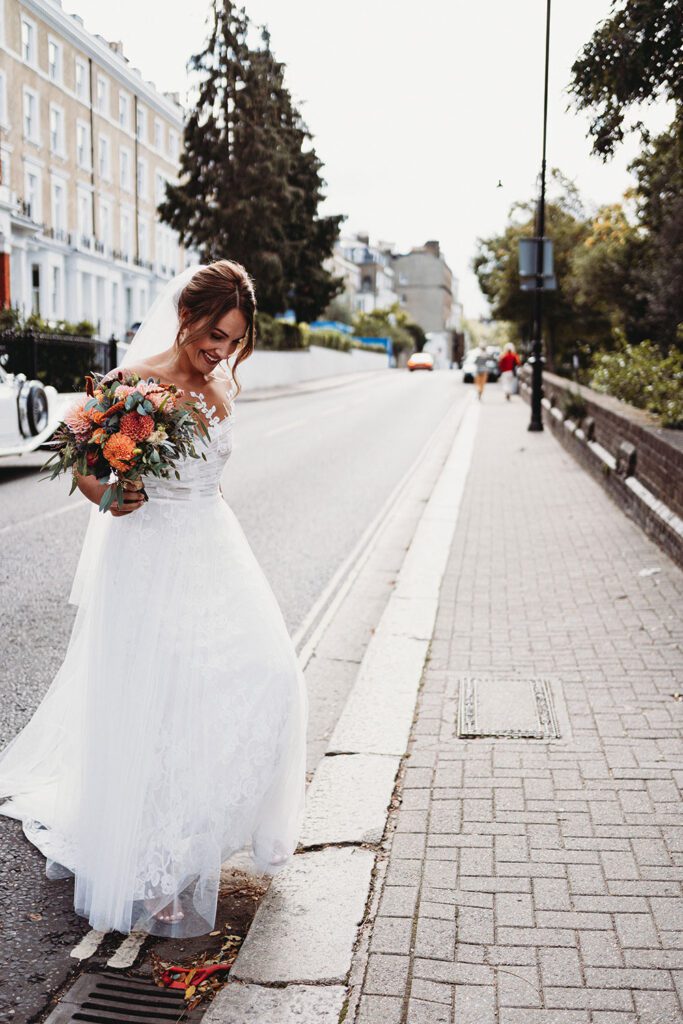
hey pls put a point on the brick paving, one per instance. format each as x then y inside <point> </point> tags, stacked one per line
<point>531,882</point>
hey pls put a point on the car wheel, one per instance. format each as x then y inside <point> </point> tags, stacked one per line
<point>33,408</point>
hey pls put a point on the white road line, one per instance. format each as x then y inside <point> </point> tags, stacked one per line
<point>71,507</point>
<point>88,945</point>
<point>126,954</point>
<point>334,593</point>
<point>287,426</point>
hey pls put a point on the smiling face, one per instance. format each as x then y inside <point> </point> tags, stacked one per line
<point>217,343</point>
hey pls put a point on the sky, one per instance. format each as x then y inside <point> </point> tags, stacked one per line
<point>417,109</point>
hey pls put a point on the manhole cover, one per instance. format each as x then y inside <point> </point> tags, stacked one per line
<point>105,998</point>
<point>507,709</point>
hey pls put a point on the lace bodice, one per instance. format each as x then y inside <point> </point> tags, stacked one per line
<point>199,478</point>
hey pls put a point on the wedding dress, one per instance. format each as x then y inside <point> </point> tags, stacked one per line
<point>172,738</point>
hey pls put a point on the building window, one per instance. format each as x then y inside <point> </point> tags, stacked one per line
<point>159,188</point>
<point>28,41</point>
<point>143,240</point>
<point>158,133</point>
<point>103,158</point>
<point>102,95</point>
<point>141,123</point>
<point>105,224</point>
<point>54,60</point>
<point>126,236</point>
<point>35,289</point>
<point>3,99</point>
<point>31,126</point>
<point>124,110</point>
<point>55,291</point>
<point>173,146</point>
<point>58,208</point>
<point>125,169</point>
<point>82,86</point>
<point>84,213</point>
<point>142,178</point>
<point>56,130</point>
<point>83,153</point>
<point>32,194</point>
<point>4,167</point>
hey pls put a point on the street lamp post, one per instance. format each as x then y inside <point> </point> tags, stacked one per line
<point>536,360</point>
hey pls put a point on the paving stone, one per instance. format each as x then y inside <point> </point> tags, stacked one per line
<point>527,1016</point>
<point>387,975</point>
<point>422,1012</point>
<point>657,1008</point>
<point>391,935</point>
<point>238,1003</point>
<point>551,894</point>
<point>518,986</point>
<point>378,1010</point>
<point>432,991</point>
<point>587,998</point>
<point>627,977</point>
<point>475,925</point>
<point>600,949</point>
<point>560,967</point>
<point>398,900</point>
<point>435,939</point>
<point>636,930</point>
<point>474,1005</point>
<point>514,908</point>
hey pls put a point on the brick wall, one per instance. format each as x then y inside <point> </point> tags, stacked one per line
<point>659,452</point>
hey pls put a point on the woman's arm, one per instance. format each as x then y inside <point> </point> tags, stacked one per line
<point>93,491</point>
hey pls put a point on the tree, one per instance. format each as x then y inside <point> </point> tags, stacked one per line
<point>568,323</point>
<point>250,183</point>
<point>633,57</point>
<point>393,322</point>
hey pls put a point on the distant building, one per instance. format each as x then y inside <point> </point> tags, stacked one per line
<point>428,290</point>
<point>373,276</point>
<point>86,149</point>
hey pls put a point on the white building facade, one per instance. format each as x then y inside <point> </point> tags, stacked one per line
<point>86,149</point>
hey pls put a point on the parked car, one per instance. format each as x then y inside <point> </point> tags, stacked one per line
<point>29,413</point>
<point>469,365</point>
<point>421,361</point>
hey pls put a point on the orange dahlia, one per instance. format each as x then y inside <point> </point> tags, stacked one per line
<point>136,426</point>
<point>118,451</point>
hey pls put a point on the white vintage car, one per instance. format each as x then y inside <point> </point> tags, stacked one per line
<point>29,413</point>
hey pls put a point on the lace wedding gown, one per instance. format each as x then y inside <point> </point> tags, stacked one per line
<point>172,738</point>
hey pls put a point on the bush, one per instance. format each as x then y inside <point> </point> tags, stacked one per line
<point>329,338</point>
<point>573,406</point>
<point>642,376</point>
<point>278,335</point>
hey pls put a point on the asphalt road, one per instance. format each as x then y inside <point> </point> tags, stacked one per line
<point>307,475</point>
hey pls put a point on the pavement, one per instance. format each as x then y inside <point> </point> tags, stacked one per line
<point>451,873</point>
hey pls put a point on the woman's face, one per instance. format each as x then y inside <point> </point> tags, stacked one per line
<point>219,343</point>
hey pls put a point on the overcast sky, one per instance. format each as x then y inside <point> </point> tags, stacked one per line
<point>417,108</point>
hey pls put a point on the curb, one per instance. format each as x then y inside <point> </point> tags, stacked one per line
<point>298,952</point>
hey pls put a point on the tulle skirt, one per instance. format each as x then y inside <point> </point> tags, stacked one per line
<point>172,738</point>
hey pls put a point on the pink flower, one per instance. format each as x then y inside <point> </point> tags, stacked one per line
<point>157,397</point>
<point>122,391</point>
<point>77,419</point>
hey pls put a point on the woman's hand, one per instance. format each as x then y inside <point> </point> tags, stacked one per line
<point>93,491</point>
<point>132,498</point>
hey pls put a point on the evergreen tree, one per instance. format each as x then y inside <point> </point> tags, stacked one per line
<point>250,183</point>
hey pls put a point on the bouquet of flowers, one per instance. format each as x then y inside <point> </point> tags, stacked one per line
<point>128,427</point>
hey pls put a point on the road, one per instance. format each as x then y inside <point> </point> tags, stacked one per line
<point>307,474</point>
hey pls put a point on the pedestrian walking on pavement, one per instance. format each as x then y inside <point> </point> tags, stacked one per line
<point>507,364</point>
<point>172,738</point>
<point>481,371</point>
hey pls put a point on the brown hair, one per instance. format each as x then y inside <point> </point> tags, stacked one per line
<point>211,293</point>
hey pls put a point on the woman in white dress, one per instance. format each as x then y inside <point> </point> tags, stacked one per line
<point>172,739</point>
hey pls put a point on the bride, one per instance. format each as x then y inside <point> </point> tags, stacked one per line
<point>172,738</point>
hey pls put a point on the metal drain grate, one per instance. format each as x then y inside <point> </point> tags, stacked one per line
<point>107,998</point>
<point>514,709</point>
